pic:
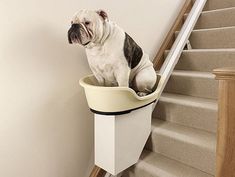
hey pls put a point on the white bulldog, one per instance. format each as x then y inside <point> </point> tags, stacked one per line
<point>114,57</point>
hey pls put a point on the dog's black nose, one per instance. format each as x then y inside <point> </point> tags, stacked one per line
<point>75,26</point>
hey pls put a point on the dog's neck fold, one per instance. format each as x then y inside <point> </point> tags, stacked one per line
<point>106,33</point>
<point>100,41</point>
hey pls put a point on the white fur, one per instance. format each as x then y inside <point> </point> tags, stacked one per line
<point>108,63</point>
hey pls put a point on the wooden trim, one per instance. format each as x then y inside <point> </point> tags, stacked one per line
<point>225,150</point>
<point>170,38</point>
<point>97,172</point>
<point>227,73</point>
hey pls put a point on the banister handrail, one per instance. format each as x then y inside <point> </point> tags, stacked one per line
<point>225,150</point>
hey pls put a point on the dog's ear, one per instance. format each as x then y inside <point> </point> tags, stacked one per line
<point>103,14</point>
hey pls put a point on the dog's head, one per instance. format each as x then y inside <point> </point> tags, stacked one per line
<point>87,26</point>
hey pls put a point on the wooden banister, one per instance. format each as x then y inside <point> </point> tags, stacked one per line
<point>170,38</point>
<point>97,172</point>
<point>225,151</point>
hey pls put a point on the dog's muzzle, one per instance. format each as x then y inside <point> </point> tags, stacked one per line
<point>74,34</point>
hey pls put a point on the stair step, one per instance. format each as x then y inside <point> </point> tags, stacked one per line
<point>218,4</point>
<point>190,146</point>
<point>193,83</point>
<point>156,165</point>
<point>205,59</point>
<point>189,111</point>
<point>213,38</point>
<point>216,18</point>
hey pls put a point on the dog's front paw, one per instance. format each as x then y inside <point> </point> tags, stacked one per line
<point>141,93</point>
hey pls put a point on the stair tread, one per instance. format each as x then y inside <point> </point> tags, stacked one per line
<point>197,74</point>
<point>211,29</point>
<point>189,100</point>
<point>207,50</point>
<point>156,165</point>
<point>214,29</point>
<point>218,10</point>
<point>182,133</point>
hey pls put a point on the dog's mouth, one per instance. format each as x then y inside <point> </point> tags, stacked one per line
<point>86,43</point>
<point>77,40</point>
<point>74,38</point>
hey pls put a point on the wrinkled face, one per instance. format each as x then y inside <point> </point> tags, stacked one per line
<point>86,27</point>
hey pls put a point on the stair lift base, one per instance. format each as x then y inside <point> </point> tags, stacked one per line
<point>120,139</point>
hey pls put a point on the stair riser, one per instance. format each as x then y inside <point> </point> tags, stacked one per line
<point>213,39</point>
<point>218,4</point>
<point>193,86</point>
<point>216,19</point>
<point>205,61</point>
<point>193,155</point>
<point>187,115</point>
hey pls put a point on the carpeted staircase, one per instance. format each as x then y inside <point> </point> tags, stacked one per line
<point>183,138</point>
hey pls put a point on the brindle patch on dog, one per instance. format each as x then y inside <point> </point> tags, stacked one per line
<point>132,52</point>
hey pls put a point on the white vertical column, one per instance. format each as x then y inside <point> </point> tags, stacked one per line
<point>120,139</point>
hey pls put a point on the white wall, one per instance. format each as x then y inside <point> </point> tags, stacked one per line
<point>45,126</point>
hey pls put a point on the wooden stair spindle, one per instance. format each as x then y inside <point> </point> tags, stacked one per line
<point>225,153</point>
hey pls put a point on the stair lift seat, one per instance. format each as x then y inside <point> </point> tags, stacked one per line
<point>114,100</point>
<point>122,123</point>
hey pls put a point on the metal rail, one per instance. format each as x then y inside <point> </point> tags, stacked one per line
<point>178,46</point>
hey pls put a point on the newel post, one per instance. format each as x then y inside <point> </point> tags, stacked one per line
<point>225,153</point>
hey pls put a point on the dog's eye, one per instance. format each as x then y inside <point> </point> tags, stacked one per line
<point>87,23</point>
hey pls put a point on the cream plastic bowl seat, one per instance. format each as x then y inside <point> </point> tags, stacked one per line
<point>113,100</point>
<point>118,121</point>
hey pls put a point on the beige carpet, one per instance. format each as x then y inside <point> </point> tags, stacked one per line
<point>183,138</point>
